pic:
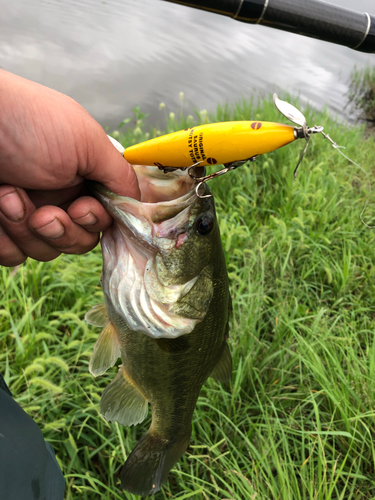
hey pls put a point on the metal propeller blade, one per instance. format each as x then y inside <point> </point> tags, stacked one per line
<point>290,112</point>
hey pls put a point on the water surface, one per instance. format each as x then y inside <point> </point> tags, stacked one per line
<point>113,55</point>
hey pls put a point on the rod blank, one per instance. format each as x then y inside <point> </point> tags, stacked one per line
<point>313,18</point>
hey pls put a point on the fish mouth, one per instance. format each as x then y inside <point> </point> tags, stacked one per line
<point>134,248</point>
<point>163,212</point>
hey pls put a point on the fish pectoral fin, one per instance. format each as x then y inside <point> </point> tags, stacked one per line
<point>97,315</point>
<point>106,351</point>
<point>223,369</point>
<point>177,345</point>
<point>122,401</point>
<point>196,302</point>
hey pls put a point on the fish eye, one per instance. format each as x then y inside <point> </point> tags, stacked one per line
<point>204,224</point>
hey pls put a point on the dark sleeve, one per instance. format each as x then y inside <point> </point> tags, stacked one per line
<point>28,467</point>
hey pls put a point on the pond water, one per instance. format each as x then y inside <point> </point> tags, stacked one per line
<point>113,55</point>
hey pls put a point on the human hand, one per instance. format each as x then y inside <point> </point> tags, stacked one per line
<point>48,145</point>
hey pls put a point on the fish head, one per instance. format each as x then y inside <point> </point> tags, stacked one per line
<point>159,254</point>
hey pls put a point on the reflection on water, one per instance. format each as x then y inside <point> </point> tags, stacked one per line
<point>112,55</point>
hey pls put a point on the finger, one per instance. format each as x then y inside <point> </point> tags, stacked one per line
<point>59,197</point>
<point>55,227</point>
<point>15,210</point>
<point>10,254</point>
<point>90,214</point>
<point>106,165</point>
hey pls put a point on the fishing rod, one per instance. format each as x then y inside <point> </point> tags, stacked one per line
<point>313,18</point>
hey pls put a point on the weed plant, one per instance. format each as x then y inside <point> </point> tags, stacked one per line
<point>362,92</point>
<point>297,421</point>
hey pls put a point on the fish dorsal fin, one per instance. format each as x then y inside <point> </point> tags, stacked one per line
<point>97,315</point>
<point>223,369</point>
<point>106,351</point>
<point>122,401</point>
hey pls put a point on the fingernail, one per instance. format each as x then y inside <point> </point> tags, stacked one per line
<point>87,220</point>
<point>12,206</point>
<point>52,230</point>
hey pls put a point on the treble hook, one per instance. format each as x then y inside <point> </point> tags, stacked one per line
<point>307,132</point>
<point>227,168</point>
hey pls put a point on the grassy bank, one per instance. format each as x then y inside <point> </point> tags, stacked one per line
<point>298,419</point>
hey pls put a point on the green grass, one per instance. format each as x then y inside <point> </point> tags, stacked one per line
<point>298,419</point>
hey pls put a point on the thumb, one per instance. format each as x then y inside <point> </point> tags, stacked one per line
<point>110,168</point>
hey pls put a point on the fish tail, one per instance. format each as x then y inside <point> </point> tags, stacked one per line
<point>148,465</point>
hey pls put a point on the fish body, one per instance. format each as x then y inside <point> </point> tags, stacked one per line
<point>166,315</point>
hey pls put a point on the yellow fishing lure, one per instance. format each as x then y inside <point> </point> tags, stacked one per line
<point>211,144</point>
<point>227,143</point>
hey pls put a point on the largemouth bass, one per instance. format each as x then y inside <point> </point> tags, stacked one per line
<point>165,315</point>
